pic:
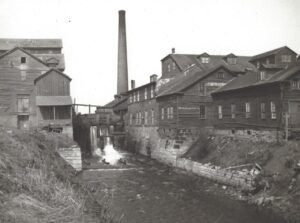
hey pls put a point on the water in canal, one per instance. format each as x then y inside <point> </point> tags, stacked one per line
<point>145,191</point>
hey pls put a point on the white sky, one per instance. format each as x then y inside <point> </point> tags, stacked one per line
<point>89,29</point>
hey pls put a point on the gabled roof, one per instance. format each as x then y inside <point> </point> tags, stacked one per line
<point>252,79</point>
<point>24,51</point>
<point>271,52</point>
<point>48,72</point>
<point>179,84</point>
<point>203,55</point>
<point>7,44</point>
<point>231,55</point>
<point>115,102</point>
<point>143,86</point>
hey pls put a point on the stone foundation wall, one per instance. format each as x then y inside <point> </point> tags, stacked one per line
<point>72,156</point>
<point>254,135</point>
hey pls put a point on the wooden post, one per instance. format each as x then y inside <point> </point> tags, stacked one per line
<point>286,126</point>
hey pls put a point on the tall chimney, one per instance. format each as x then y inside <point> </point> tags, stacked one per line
<point>122,56</point>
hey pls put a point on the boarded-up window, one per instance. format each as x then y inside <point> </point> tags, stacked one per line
<point>23,104</point>
<point>273,110</point>
<point>220,112</point>
<point>262,110</point>
<point>23,75</point>
<point>62,112</point>
<point>233,111</point>
<point>47,112</point>
<point>202,111</point>
<point>248,110</point>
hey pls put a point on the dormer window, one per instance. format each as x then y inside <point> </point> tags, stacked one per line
<point>23,59</point>
<point>257,65</point>
<point>169,67</point>
<point>231,60</point>
<point>295,84</point>
<point>174,65</point>
<point>205,59</point>
<point>286,58</point>
<point>263,75</point>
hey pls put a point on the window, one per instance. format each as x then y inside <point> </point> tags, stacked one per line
<point>152,91</point>
<point>169,67</point>
<point>138,96</point>
<point>257,65</point>
<point>273,110</point>
<point>247,108</point>
<point>231,60</point>
<point>162,113</point>
<point>262,110</point>
<point>170,113</point>
<point>137,118</point>
<point>174,65</point>
<point>134,98</point>
<point>263,75</point>
<point>295,84</point>
<point>141,119</point>
<point>23,75</point>
<point>152,116</point>
<point>130,98</point>
<point>221,75</point>
<point>62,112</point>
<point>47,112</point>
<point>204,59</point>
<point>201,89</point>
<point>220,112</point>
<point>145,94</point>
<point>233,110</point>
<point>286,58</point>
<point>130,119</point>
<point>23,59</point>
<point>202,111</point>
<point>23,104</point>
<point>146,117</point>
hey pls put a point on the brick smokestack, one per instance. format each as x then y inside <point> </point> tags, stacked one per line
<point>122,56</point>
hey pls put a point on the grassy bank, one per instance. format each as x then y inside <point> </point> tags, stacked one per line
<point>278,185</point>
<point>36,184</point>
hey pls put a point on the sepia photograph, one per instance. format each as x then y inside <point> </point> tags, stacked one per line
<point>139,111</point>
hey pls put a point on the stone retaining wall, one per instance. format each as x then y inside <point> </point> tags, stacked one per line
<point>72,156</point>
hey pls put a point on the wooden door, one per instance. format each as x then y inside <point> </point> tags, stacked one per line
<point>294,110</point>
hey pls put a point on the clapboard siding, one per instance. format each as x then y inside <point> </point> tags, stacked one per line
<point>53,84</point>
<point>254,96</point>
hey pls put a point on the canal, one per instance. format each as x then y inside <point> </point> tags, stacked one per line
<point>145,191</point>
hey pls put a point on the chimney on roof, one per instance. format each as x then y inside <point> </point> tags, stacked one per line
<point>122,85</point>
<point>132,84</point>
<point>153,78</point>
<point>173,50</point>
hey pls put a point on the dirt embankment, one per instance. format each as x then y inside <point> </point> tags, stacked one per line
<point>36,184</point>
<point>278,184</point>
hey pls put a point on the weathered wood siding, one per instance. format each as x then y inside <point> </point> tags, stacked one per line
<point>254,96</point>
<point>13,86</point>
<point>173,70</point>
<point>165,103</point>
<point>53,84</point>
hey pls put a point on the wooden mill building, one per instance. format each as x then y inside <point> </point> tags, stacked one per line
<point>34,93</point>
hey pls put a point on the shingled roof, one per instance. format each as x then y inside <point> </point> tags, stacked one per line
<point>184,61</point>
<point>269,53</point>
<point>179,84</point>
<point>7,44</point>
<point>252,79</point>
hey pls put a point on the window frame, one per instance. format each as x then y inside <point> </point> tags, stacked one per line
<point>273,110</point>
<point>233,111</point>
<point>262,110</point>
<point>247,109</point>
<point>220,112</point>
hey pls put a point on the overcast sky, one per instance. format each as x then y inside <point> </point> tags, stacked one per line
<point>89,29</point>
